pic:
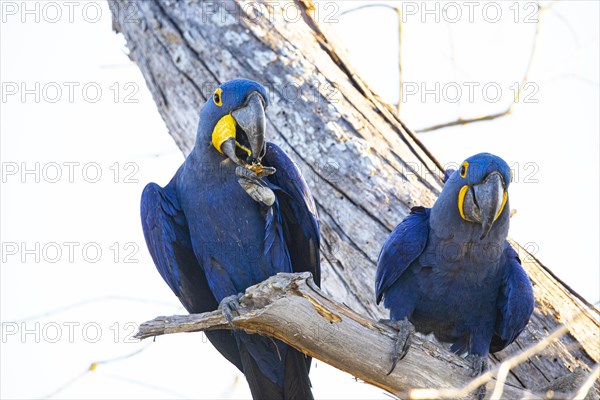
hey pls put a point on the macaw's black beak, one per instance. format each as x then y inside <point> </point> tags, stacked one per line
<point>485,202</point>
<point>252,121</point>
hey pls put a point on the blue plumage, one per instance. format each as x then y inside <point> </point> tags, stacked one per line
<point>210,240</point>
<point>401,248</point>
<point>450,271</point>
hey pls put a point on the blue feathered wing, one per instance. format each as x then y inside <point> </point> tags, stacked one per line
<point>298,212</point>
<point>401,248</point>
<point>168,240</point>
<point>515,302</point>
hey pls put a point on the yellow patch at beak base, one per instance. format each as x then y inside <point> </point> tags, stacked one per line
<point>461,201</point>
<point>225,129</point>
<point>502,206</point>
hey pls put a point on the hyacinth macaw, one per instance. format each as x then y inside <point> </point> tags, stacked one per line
<point>236,212</point>
<point>450,271</point>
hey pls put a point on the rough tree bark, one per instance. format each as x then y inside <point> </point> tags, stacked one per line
<point>364,167</point>
<point>327,330</point>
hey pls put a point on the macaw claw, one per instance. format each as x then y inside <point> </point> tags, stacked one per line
<point>256,189</point>
<point>479,365</point>
<point>403,339</point>
<point>230,305</point>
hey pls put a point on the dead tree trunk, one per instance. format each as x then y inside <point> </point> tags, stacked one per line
<point>364,167</point>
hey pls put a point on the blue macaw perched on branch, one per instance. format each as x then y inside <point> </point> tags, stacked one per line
<point>236,212</point>
<point>449,269</point>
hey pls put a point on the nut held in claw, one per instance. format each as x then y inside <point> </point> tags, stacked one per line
<point>257,168</point>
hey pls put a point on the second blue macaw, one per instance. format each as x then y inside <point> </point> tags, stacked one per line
<point>236,212</point>
<point>450,271</point>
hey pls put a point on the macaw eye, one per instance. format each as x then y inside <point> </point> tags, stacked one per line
<point>217,97</point>
<point>463,169</point>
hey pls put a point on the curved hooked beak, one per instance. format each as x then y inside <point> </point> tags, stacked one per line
<point>243,130</point>
<point>251,119</point>
<point>485,202</point>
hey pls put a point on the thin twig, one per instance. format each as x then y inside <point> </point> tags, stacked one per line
<point>92,367</point>
<point>517,97</point>
<point>501,371</point>
<point>373,5</point>
<point>86,302</point>
<point>66,384</point>
<point>464,121</point>
<point>171,393</point>
<point>398,12</point>
<point>587,385</point>
<point>460,120</point>
<point>523,356</point>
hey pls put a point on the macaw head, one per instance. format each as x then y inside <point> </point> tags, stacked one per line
<point>477,193</point>
<point>233,120</point>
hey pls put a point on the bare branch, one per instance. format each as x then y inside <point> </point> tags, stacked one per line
<point>510,108</point>
<point>398,12</point>
<point>461,120</point>
<point>332,333</point>
<point>464,121</point>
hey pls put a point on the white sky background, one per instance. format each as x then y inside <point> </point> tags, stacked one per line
<point>559,213</point>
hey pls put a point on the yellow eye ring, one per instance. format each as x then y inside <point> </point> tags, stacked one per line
<point>463,169</point>
<point>217,97</point>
